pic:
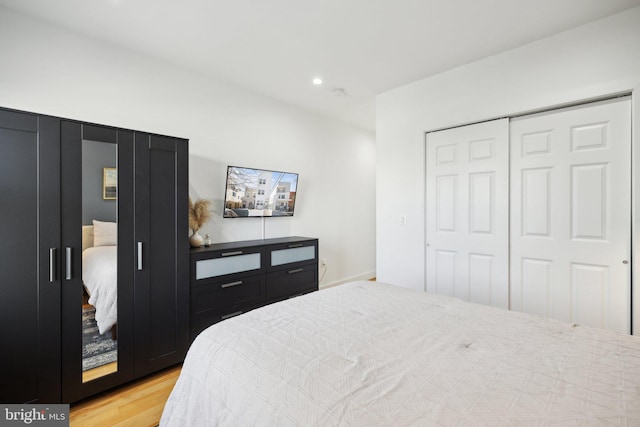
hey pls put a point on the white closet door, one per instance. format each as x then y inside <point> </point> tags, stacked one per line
<point>571,214</point>
<point>467,218</point>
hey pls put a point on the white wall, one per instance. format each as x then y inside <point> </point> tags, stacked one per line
<point>594,60</point>
<point>50,70</point>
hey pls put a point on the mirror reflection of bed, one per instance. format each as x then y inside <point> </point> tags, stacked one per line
<point>99,301</point>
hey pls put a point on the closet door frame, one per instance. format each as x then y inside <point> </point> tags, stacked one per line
<point>635,188</point>
<point>635,208</point>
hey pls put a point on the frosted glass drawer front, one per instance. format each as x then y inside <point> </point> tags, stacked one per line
<point>221,266</point>
<point>288,256</point>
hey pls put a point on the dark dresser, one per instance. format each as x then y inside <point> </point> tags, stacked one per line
<point>228,279</point>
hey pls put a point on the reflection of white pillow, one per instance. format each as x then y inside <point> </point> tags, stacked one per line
<point>105,233</point>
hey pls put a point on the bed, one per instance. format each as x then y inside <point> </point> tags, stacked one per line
<point>100,271</point>
<point>373,354</point>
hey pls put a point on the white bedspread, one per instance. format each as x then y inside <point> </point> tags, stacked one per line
<point>370,354</point>
<point>100,278</point>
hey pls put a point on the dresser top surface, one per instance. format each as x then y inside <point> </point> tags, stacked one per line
<point>250,243</point>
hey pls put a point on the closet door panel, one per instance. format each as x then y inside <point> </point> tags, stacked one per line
<point>467,212</point>
<point>571,213</point>
<point>71,228</point>
<point>162,277</point>
<point>29,258</point>
<point>49,351</point>
<point>19,263</point>
<point>79,142</point>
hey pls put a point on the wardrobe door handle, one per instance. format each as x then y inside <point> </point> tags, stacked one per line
<point>297,270</point>
<point>68,263</point>
<point>296,245</point>
<point>139,255</point>
<point>52,264</point>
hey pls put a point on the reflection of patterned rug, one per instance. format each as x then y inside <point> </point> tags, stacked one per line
<point>97,350</point>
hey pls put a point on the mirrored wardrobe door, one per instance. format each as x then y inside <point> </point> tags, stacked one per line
<point>99,272</point>
<point>97,177</point>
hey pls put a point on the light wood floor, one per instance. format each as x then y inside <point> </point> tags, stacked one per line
<point>100,371</point>
<point>138,404</point>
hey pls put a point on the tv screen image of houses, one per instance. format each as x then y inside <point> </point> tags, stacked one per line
<point>259,193</point>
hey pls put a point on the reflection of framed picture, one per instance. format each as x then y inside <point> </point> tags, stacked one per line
<point>110,183</point>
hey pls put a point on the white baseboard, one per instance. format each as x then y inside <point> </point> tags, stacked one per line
<point>363,276</point>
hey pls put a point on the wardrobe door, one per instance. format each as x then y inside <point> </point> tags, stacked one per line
<point>161,234</point>
<point>29,258</point>
<point>571,214</point>
<point>467,216</point>
<point>98,252</point>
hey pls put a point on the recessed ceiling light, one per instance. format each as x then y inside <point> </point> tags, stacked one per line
<point>317,81</point>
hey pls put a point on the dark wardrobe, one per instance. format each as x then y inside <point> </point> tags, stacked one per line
<point>89,214</point>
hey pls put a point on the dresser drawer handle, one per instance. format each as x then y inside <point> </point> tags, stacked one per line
<point>297,270</point>
<point>297,245</point>
<point>228,285</point>
<point>234,314</point>
<point>232,253</point>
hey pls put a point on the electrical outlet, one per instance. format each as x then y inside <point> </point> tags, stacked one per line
<point>323,262</point>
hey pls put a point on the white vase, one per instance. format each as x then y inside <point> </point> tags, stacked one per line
<point>196,240</point>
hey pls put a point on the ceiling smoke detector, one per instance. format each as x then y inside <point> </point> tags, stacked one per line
<point>339,92</point>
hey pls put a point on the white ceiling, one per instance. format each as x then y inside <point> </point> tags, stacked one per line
<point>364,46</point>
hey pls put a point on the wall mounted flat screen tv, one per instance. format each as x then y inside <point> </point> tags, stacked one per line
<point>259,193</point>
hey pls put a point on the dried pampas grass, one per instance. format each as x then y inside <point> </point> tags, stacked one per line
<point>199,213</point>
